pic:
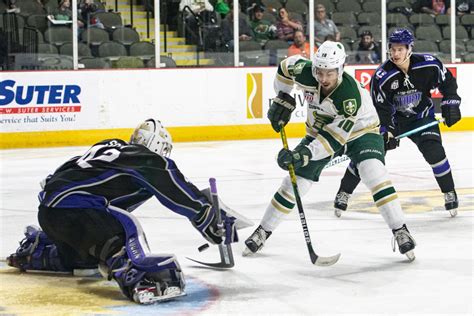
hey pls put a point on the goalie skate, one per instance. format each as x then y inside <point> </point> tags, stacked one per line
<point>150,294</point>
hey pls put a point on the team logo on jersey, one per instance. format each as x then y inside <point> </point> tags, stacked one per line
<point>309,97</point>
<point>298,68</point>
<point>254,96</point>
<point>394,85</point>
<point>349,106</point>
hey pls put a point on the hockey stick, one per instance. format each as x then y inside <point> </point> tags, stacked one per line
<point>225,250</point>
<point>343,158</point>
<point>315,259</point>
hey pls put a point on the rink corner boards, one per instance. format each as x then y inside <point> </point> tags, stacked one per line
<point>11,140</point>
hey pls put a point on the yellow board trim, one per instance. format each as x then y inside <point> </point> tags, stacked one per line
<point>180,134</point>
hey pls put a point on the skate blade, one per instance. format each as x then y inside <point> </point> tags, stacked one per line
<point>453,212</point>
<point>147,297</point>
<point>247,252</point>
<point>410,255</point>
<point>337,212</point>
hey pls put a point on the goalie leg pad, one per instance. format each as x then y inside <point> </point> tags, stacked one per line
<point>36,252</point>
<point>143,277</point>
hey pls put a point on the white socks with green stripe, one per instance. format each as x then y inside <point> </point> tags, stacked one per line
<point>283,202</point>
<point>375,177</point>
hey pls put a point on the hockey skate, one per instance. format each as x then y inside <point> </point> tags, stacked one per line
<point>451,203</point>
<point>340,203</point>
<point>405,242</point>
<point>256,241</point>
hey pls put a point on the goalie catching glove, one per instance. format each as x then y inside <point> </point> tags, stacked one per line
<point>206,223</point>
<point>280,110</point>
<point>450,110</point>
<point>298,158</point>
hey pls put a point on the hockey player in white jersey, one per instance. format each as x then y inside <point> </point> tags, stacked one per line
<point>341,119</point>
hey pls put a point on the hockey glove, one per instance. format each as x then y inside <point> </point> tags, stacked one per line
<point>390,142</point>
<point>206,223</point>
<point>299,157</point>
<point>280,110</point>
<point>450,110</point>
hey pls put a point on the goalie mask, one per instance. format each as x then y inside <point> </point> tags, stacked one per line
<point>330,55</point>
<point>154,136</point>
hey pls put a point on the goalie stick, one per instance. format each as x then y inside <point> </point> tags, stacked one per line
<point>343,158</point>
<point>225,250</point>
<point>315,259</point>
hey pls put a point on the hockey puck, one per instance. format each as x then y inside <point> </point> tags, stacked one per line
<point>203,247</point>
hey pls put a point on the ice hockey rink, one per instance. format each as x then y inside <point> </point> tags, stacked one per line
<point>368,279</point>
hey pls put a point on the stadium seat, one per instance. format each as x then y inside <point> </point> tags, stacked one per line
<point>371,18</point>
<point>470,46</point>
<point>269,17</point>
<point>83,50</point>
<point>297,6</point>
<point>167,61</point>
<point>46,48</point>
<point>142,49</point>
<point>128,62</point>
<point>461,32</point>
<point>397,19</point>
<point>94,63</point>
<point>245,46</point>
<point>425,46</point>
<point>109,19</point>
<point>372,6</point>
<point>125,35</point>
<point>468,21</point>
<point>328,4</point>
<point>344,18</point>
<point>276,44</point>
<point>445,47</point>
<point>428,33</point>
<point>348,6</point>
<point>421,19</point>
<point>58,35</point>
<point>28,8</point>
<point>95,36</point>
<point>469,58</point>
<point>39,22</point>
<point>112,49</point>
<point>348,33</point>
<point>444,19</point>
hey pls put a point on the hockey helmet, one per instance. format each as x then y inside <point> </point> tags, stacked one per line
<point>401,36</point>
<point>154,136</point>
<point>330,55</point>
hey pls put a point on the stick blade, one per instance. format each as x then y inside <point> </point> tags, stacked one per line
<point>326,261</point>
<point>217,265</point>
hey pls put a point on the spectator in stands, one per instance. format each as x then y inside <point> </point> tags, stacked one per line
<point>263,29</point>
<point>462,7</point>
<point>87,11</point>
<point>324,26</point>
<point>433,7</point>
<point>63,13</point>
<point>227,28</point>
<point>368,51</point>
<point>11,7</point>
<point>201,9</point>
<point>286,27</point>
<point>300,46</point>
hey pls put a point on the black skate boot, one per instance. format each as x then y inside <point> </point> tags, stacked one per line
<point>256,241</point>
<point>340,202</point>
<point>405,242</point>
<point>451,203</point>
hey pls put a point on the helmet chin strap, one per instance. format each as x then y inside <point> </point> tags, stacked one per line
<point>407,58</point>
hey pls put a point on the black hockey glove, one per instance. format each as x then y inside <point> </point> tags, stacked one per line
<point>390,142</point>
<point>450,110</point>
<point>206,223</point>
<point>280,110</point>
<point>299,157</point>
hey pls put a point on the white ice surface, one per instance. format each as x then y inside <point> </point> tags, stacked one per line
<point>368,279</point>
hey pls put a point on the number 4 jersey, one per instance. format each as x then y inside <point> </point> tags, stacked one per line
<point>344,115</point>
<point>124,175</point>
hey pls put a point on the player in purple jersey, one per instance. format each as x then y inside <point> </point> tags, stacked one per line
<point>86,221</point>
<point>400,90</point>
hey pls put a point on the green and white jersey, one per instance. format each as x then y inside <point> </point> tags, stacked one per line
<point>342,116</point>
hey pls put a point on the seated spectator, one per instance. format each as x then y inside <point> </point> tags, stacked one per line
<point>433,7</point>
<point>227,28</point>
<point>368,51</point>
<point>462,7</point>
<point>62,13</point>
<point>286,27</point>
<point>263,29</point>
<point>300,46</point>
<point>323,26</point>
<point>202,9</point>
<point>87,10</point>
